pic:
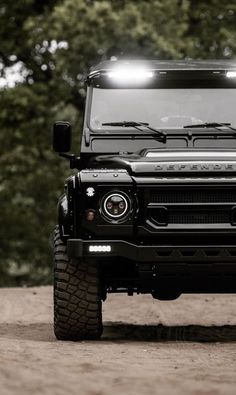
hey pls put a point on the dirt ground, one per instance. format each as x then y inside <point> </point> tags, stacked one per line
<point>187,346</point>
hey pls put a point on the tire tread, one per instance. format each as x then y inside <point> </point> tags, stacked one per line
<point>77,301</point>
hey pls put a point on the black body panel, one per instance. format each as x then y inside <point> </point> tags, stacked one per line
<point>178,230</point>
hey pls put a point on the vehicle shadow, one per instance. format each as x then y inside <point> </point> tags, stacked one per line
<point>162,333</point>
<point>121,331</point>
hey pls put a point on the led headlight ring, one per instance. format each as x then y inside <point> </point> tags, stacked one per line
<point>115,206</point>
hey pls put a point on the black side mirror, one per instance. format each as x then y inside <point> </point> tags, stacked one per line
<point>61,136</point>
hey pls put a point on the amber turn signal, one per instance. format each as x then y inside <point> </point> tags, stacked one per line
<point>90,215</point>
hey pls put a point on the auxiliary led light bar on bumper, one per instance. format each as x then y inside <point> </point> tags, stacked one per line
<point>99,248</point>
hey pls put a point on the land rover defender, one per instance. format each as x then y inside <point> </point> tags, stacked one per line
<point>151,204</point>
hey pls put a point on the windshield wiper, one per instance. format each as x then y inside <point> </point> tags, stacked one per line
<point>215,125</point>
<point>136,125</point>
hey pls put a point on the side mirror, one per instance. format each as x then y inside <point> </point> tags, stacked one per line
<point>61,136</point>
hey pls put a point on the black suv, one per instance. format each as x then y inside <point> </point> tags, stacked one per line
<point>151,205</point>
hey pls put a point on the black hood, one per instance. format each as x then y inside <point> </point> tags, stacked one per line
<point>174,161</point>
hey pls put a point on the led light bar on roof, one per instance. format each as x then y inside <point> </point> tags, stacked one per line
<point>130,74</point>
<point>231,74</point>
<point>191,154</point>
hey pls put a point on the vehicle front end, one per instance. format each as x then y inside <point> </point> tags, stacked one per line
<point>153,199</point>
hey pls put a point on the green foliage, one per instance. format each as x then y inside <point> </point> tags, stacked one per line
<point>212,29</point>
<point>56,41</point>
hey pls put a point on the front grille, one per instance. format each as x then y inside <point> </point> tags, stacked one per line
<point>194,195</point>
<point>168,206</point>
<point>198,216</point>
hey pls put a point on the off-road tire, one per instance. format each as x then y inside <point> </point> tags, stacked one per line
<point>77,301</point>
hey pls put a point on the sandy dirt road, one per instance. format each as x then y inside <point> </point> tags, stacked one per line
<point>187,346</point>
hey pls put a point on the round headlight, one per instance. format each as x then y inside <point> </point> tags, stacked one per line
<point>115,205</point>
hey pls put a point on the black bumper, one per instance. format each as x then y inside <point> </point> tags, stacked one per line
<point>78,248</point>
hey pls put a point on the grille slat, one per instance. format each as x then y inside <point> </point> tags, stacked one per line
<point>193,196</point>
<point>199,216</point>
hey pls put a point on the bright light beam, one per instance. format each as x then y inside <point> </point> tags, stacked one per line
<point>231,74</point>
<point>130,75</point>
<point>99,248</point>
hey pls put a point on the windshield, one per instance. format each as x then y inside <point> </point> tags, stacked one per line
<point>162,108</point>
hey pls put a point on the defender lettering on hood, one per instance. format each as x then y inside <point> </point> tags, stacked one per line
<point>196,167</point>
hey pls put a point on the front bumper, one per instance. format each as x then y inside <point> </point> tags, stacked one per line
<point>78,248</point>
